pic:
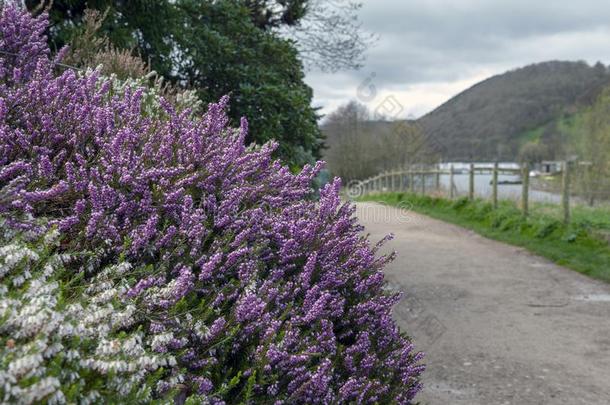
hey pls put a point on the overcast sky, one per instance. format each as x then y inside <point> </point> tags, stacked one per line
<point>430,50</point>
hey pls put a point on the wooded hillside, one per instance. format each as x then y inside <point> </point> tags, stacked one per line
<point>490,119</point>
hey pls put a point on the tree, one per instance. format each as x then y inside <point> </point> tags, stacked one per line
<point>267,14</point>
<point>222,52</point>
<point>593,148</point>
<point>329,36</point>
<point>350,153</point>
<point>327,33</point>
<point>145,26</point>
<point>533,152</point>
<point>359,148</point>
<point>215,48</point>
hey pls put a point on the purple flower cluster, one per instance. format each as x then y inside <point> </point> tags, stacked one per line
<point>266,293</point>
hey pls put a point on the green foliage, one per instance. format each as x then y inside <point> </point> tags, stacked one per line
<point>139,24</point>
<point>534,152</point>
<point>215,48</point>
<point>268,14</point>
<point>547,228</point>
<point>532,135</point>
<point>224,53</point>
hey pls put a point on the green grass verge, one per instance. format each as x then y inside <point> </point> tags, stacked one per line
<point>581,245</point>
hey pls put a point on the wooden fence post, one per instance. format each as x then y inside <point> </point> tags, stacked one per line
<point>411,181</point>
<point>384,187</point>
<point>399,181</point>
<point>495,185</point>
<point>565,192</point>
<point>471,183</point>
<point>525,174</point>
<point>451,182</point>
<point>437,179</point>
<point>423,181</point>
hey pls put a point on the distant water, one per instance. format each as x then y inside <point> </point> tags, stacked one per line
<point>483,187</point>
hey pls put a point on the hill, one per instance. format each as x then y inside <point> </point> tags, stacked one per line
<point>494,117</point>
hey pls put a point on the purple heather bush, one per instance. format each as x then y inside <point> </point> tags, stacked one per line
<point>260,292</point>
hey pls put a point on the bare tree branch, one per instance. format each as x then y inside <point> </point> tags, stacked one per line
<point>330,36</point>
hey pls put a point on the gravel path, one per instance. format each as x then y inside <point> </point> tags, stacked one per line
<point>499,325</point>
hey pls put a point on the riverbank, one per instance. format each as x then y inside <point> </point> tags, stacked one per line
<point>583,245</point>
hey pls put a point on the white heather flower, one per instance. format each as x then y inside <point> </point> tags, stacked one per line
<point>22,365</point>
<point>159,342</point>
<point>42,328</point>
<point>51,237</point>
<point>41,389</point>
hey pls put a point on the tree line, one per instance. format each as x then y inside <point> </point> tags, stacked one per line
<point>359,146</point>
<point>254,50</point>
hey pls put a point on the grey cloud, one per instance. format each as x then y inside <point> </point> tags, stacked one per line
<point>458,18</point>
<point>439,41</point>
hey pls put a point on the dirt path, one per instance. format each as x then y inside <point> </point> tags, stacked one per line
<point>500,325</point>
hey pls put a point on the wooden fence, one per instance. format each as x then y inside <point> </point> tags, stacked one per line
<point>405,181</point>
